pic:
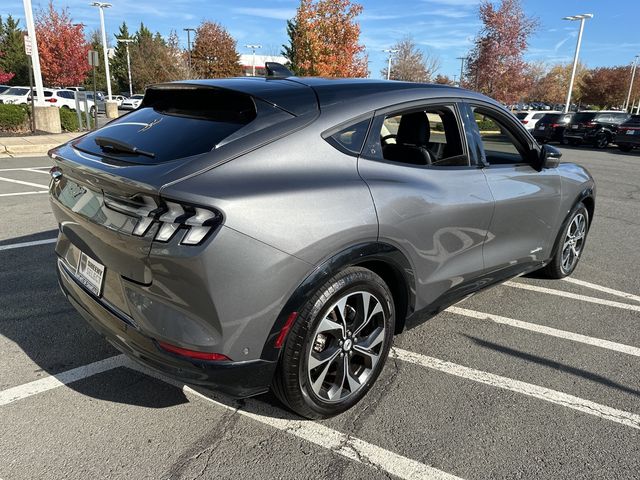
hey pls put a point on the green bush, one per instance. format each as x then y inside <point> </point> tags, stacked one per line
<point>14,118</point>
<point>69,120</point>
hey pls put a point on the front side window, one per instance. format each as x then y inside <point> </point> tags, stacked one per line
<point>500,145</point>
<point>425,137</point>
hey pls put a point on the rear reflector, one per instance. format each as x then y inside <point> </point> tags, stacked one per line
<point>524,122</point>
<point>285,329</point>
<point>183,352</point>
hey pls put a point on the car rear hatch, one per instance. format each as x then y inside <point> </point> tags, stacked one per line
<point>106,184</point>
<point>629,131</point>
<point>580,124</point>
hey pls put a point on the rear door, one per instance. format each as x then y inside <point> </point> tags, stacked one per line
<point>437,213</point>
<point>527,201</point>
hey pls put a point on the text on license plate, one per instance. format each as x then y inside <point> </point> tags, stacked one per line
<point>630,132</point>
<point>90,273</point>
<point>541,127</point>
<point>575,127</point>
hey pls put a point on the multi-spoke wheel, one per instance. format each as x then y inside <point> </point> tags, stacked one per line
<point>338,345</point>
<point>571,244</point>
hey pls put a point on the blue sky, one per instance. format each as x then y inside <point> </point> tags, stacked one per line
<point>444,28</point>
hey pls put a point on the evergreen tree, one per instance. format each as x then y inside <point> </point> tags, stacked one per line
<point>118,64</point>
<point>12,56</point>
<point>95,40</point>
<point>290,51</point>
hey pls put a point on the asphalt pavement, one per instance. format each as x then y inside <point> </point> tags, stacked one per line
<point>531,379</point>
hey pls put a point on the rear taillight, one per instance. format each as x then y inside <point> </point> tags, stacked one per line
<point>524,122</point>
<point>195,354</point>
<point>555,125</point>
<point>590,124</point>
<point>51,100</point>
<point>194,222</point>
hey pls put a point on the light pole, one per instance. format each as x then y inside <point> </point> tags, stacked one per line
<point>101,6</point>
<point>391,53</point>
<point>126,42</point>
<point>582,18</point>
<point>35,56</point>
<point>189,30</point>
<point>462,59</point>
<point>633,75</point>
<point>253,49</point>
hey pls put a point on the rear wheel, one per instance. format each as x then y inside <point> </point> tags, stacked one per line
<point>601,140</point>
<point>338,345</point>
<point>571,245</point>
<point>574,142</point>
<point>625,148</point>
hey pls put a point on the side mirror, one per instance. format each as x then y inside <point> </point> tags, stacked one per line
<point>549,157</point>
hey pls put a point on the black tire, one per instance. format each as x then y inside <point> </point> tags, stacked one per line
<point>625,148</point>
<point>564,141</point>
<point>92,111</point>
<point>555,269</point>
<point>573,142</point>
<point>601,141</point>
<point>292,380</point>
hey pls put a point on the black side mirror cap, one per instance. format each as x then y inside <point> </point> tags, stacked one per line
<point>549,157</point>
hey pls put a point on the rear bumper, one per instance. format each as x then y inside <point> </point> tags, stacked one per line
<point>238,379</point>
<point>633,140</point>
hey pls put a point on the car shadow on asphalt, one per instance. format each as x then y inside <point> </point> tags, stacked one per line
<point>579,372</point>
<point>35,315</point>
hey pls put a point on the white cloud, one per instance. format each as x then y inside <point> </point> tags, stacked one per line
<point>273,13</point>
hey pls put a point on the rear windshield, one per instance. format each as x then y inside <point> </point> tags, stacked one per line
<point>583,117</point>
<point>16,91</point>
<point>550,118</point>
<point>173,124</point>
<point>521,115</point>
<point>634,120</point>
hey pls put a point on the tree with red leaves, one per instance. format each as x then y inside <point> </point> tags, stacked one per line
<point>496,66</point>
<point>5,76</point>
<point>62,47</point>
<point>324,36</point>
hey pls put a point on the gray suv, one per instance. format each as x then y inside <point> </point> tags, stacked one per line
<point>255,233</point>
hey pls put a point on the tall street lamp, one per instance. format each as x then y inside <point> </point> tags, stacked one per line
<point>253,49</point>
<point>189,30</point>
<point>391,53</point>
<point>633,75</point>
<point>462,60</point>
<point>126,42</point>
<point>582,18</point>
<point>101,6</point>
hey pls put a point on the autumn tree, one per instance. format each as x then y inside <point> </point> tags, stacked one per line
<point>552,87</point>
<point>608,86</point>
<point>13,59</point>
<point>410,63</point>
<point>443,80</point>
<point>62,47</point>
<point>496,66</point>
<point>214,53</point>
<point>324,39</point>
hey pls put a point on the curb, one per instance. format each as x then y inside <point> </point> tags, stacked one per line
<point>41,149</point>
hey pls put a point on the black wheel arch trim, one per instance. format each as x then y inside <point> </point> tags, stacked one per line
<point>359,254</point>
<point>587,193</point>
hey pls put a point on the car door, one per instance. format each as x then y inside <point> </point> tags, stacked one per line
<point>527,200</point>
<point>438,211</point>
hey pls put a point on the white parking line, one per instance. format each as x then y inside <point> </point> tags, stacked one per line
<point>553,396</point>
<point>22,193</point>
<point>35,170</point>
<point>22,169</point>
<point>54,381</point>
<point>575,296</point>
<point>20,182</point>
<point>534,327</point>
<point>608,290</point>
<point>28,244</point>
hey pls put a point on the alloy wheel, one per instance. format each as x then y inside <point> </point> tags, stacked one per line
<point>347,344</point>
<point>573,242</point>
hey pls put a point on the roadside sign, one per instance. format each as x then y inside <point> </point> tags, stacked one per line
<point>27,45</point>
<point>94,59</point>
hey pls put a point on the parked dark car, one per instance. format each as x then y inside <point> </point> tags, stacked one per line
<point>628,135</point>
<point>595,128</point>
<point>551,127</point>
<point>256,233</point>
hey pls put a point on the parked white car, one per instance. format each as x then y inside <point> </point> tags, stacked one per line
<point>16,95</point>
<point>531,117</point>
<point>64,98</point>
<point>132,103</point>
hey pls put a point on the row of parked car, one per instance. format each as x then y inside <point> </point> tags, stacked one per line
<point>66,98</point>
<point>596,128</point>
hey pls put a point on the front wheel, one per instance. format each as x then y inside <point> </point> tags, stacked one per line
<point>601,140</point>
<point>337,346</point>
<point>571,244</point>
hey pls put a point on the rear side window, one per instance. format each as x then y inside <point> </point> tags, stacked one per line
<point>171,124</point>
<point>550,118</point>
<point>350,139</point>
<point>521,115</point>
<point>537,115</point>
<point>583,117</point>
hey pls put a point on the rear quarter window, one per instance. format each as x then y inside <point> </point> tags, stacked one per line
<point>349,139</point>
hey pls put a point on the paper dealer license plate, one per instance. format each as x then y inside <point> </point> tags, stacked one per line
<point>90,273</point>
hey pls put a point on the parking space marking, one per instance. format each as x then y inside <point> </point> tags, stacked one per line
<point>542,393</point>
<point>608,290</point>
<point>21,182</point>
<point>36,170</point>
<point>341,443</point>
<point>23,169</point>
<point>554,332</point>
<point>28,244</point>
<point>575,296</point>
<point>22,193</point>
<point>54,381</point>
